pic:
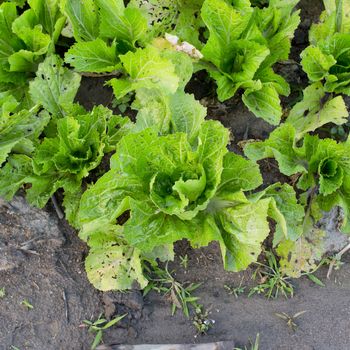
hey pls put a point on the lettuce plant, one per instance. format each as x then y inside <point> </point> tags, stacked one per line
<point>320,168</point>
<point>327,59</point>
<point>244,43</point>
<point>181,18</point>
<point>25,40</point>
<point>74,143</point>
<point>157,77</point>
<point>103,29</point>
<point>162,189</point>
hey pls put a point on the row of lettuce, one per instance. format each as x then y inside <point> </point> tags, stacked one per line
<point>171,175</point>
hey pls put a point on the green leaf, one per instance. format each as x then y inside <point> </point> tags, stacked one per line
<point>281,146</point>
<point>30,30</point>
<point>18,127</point>
<point>312,113</point>
<point>48,14</point>
<point>238,174</point>
<point>331,176</point>
<point>183,66</point>
<point>71,203</point>
<point>148,228</point>
<point>316,280</point>
<point>147,69</point>
<point>120,23</point>
<point>14,174</point>
<point>106,200</point>
<point>264,103</point>
<point>225,25</point>
<point>187,114</point>
<point>117,128</point>
<point>153,110</point>
<point>23,61</point>
<point>293,213</point>
<point>83,17</point>
<point>93,56</point>
<point>315,63</point>
<point>245,228</point>
<point>9,43</point>
<point>55,86</point>
<point>327,160</point>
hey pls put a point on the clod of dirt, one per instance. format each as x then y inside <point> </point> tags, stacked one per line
<point>26,228</point>
<point>117,303</point>
<point>330,223</point>
<point>10,258</point>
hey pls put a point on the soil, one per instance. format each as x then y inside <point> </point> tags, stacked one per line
<point>42,262</point>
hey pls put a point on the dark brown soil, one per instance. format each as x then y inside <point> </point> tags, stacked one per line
<point>42,262</point>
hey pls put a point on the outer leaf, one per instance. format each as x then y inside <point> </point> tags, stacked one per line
<point>315,63</point>
<point>246,227</point>
<point>264,103</point>
<point>280,145</point>
<point>55,86</point>
<point>9,43</point>
<point>111,265</point>
<point>311,113</point>
<point>293,212</point>
<point>23,61</point>
<point>93,56</point>
<point>47,13</point>
<point>121,23</point>
<point>238,174</point>
<point>15,128</point>
<point>14,174</point>
<point>29,29</point>
<point>104,202</point>
<point>84,18</point>
<point>146,69</point>
<point>302,255</point>
<point>148,228</point>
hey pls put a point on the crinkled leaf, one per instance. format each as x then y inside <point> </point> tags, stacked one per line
<point>17,127</point>
<point>315,63</point>
<point>146,68</point>
<point>120,23</point>
<point>54,86</point>
<point>148,227</point>
<point>71,203</point>
<point>312,112</point>
<point>293,213</point>
<point>238,174</point>
<point>225,25</point>
<point>48,15</point>
<point>264,103</point>
<point>93,56</point>
<point>187,114</point>
<point>113,265</point>
<point>281,146</point>
<point>245,228</point>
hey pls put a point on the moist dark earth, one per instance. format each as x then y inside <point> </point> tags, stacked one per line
<point>42,263</point>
